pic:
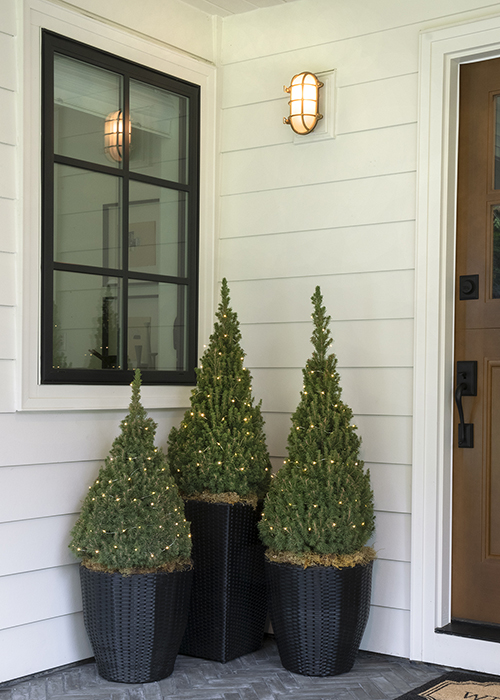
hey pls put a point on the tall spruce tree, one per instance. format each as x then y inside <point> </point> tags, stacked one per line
<point>320,501</point>
<point>132,517</point>
<point>220,446</point>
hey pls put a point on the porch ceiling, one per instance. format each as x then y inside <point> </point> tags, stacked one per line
<point>224,8</point>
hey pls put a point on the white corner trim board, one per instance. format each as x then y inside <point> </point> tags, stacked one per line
<point>441,53</point>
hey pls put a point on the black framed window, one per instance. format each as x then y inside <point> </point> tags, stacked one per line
<point>120,179</point>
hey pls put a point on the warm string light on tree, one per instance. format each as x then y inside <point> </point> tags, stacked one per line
<point>133,513</point>
<point>320,501</point>
<point>220,446</point>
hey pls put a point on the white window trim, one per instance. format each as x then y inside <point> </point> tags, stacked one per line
<point>40,14</point>
<point>441,53</point>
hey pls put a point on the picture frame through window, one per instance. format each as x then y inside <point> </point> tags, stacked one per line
<point>120,219</point>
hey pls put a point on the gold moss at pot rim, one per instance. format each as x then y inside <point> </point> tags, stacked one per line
<point>180,564</point>
<point>230,497</point>
<point>337,561</point>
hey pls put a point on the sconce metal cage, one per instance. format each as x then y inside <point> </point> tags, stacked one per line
<point>113,135</point>
<point>304,102</point>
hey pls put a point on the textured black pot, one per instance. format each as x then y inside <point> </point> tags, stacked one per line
<point>135,623</point>
<point>318,615</point>
<point>228,602</point>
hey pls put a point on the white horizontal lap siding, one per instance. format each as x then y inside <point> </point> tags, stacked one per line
<point>47,644</point>
<point>48,459</point>
<point>377,105</point>
<point>277,166</point>
<point>38,573</point>
<point>363,297</point>
<point>388,624</point>
<point>359,59</point>
<point>8,126</point>
<point>54,489</point>
<point>7,382</point>
<point>386,449</point>
<point>360,343</point>
<point>175,24</point>
<point>61,595</point>
<point>381,399</point>
<point>391,484</point>
<point>8,188</point>
<point>44,438</point>
<point>8,74</point>
<point>8,332</point>
<point>382,199</point>
<point>369,391</point>
<point>312,25</point>
<point>387,631</point>
<point>8,231</point>
<point>29,545</point>
<point>386,440</point>
<point>7,278</point>
<point>339,213</point>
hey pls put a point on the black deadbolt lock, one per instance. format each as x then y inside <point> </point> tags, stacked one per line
<point>469,287</point>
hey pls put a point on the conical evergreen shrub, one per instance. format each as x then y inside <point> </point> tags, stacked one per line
<point>220,446</point>
<point>132,518</point>
<point>319,508</point>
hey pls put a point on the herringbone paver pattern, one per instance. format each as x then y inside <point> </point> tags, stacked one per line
<point>258,676</point>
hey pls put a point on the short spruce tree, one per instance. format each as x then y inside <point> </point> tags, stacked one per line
<point>319,509</point>
<point>219,451</point>
<point>132,518</point>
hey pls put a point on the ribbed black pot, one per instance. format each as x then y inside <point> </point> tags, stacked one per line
<point>135,623</point>
<point>318,615</point>
<point>228,602</point>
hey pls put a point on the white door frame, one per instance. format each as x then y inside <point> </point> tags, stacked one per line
<point>441,53</point>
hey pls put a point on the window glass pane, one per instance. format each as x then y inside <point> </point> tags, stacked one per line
<point>157,230</point>
<point>84,97</point>
<point>159,139</point>
<point>87,219</point>
<point>119,218</point>
<point>86,330</point>
<point>157,324</point>
<point>495,258</point>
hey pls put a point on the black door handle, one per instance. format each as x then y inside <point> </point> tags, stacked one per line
<point>465,430</point>
<point>466,386</point>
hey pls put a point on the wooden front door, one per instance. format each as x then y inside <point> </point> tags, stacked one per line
<point>476,470</point>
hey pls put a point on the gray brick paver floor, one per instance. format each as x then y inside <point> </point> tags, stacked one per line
<point>258,676</point>
<point>360,693</point>
<point>138,693</point>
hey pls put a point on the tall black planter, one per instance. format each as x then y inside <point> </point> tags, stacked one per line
<point>228,603</point>
<point>135,623</point>
<point>318,615</point>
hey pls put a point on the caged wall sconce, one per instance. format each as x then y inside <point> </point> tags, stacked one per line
<point>113,135</point>
<point>304,103</point>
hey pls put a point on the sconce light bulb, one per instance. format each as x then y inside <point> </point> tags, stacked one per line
<point>304,103</point>
<point>113,136</point>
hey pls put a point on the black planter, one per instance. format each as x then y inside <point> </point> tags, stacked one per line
<point>228,602</point>
<point>135,623</point>
<point>318,615</point>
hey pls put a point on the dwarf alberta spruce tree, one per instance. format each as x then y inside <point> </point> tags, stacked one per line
<point>319,508</point>
<point>132,518</point>
<point>220,446</point>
